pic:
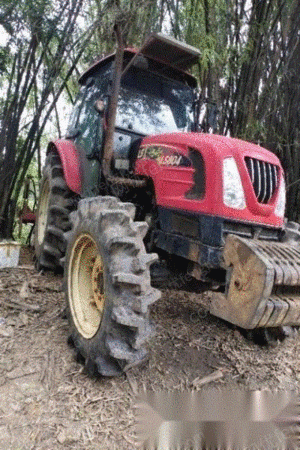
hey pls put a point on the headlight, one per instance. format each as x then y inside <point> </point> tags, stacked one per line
<point>233,192</point>
<point>280,207</point>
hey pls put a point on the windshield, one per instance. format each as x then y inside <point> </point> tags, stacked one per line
<point>151,104</point>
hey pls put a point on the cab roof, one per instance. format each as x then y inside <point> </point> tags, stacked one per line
<point>161,51</point>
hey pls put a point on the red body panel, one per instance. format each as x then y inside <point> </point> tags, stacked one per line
<point>172,182</point>
<point>70,162</point>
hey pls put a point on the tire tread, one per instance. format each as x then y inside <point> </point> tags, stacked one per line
<point>119,343</point>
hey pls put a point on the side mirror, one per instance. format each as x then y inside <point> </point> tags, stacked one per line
<point>99,106</point>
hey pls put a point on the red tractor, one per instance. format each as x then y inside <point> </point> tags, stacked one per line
<point>136,182</point>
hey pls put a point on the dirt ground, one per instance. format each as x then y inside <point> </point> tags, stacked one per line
<point>48,402</point>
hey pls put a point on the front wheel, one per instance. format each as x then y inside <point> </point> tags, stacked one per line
<point>108,287</point>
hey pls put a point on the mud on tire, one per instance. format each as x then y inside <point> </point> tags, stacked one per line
<point>56,201</point>
<point>108,289</point>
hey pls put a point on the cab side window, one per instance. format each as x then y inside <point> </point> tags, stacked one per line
<point>72,129</point>
<point>85,122</point>
<point>89,121</point>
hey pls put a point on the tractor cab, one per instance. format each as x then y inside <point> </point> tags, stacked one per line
<point>157,96</point>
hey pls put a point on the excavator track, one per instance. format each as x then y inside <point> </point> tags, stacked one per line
<point>263,283</point>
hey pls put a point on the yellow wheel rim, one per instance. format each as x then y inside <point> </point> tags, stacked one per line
<point>43,211</point>
<point>86,286</point>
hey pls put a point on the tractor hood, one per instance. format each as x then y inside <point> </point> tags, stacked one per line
<point>215,175</point>
<point>211,143</point>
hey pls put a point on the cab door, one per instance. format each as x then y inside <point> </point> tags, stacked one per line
<point>86,130</point>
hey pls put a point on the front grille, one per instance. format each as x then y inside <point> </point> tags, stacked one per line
<point>264,178</point>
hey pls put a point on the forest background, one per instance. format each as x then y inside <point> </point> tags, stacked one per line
<point>249,67</point>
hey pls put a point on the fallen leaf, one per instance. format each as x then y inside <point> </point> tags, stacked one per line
<point>214,376</point>
<point>19,304</point>
<point>69,434</point>
<point>24,291</point>
<point>16,407</point>
<point>6,331</point>
<point>23,318</point>
<point>19,372</point>
<point>11,321</point>
<point>130,440</point>
<point>61,437</point>
<point>132,383</point>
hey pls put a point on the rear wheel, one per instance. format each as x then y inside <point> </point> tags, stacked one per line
<point>56,201</point>
<point>108,287</point>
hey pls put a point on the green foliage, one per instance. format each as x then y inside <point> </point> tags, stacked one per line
<point>42,52</point>
<point>4,60</point>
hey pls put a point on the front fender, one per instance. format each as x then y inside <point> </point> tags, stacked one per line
<point>70,161</point>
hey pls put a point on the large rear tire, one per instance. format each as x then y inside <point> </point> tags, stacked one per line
<point>108,289</point>
<point>56,201</point>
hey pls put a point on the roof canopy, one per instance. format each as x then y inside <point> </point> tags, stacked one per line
<point>170,51</point>
<point>160,48</point>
